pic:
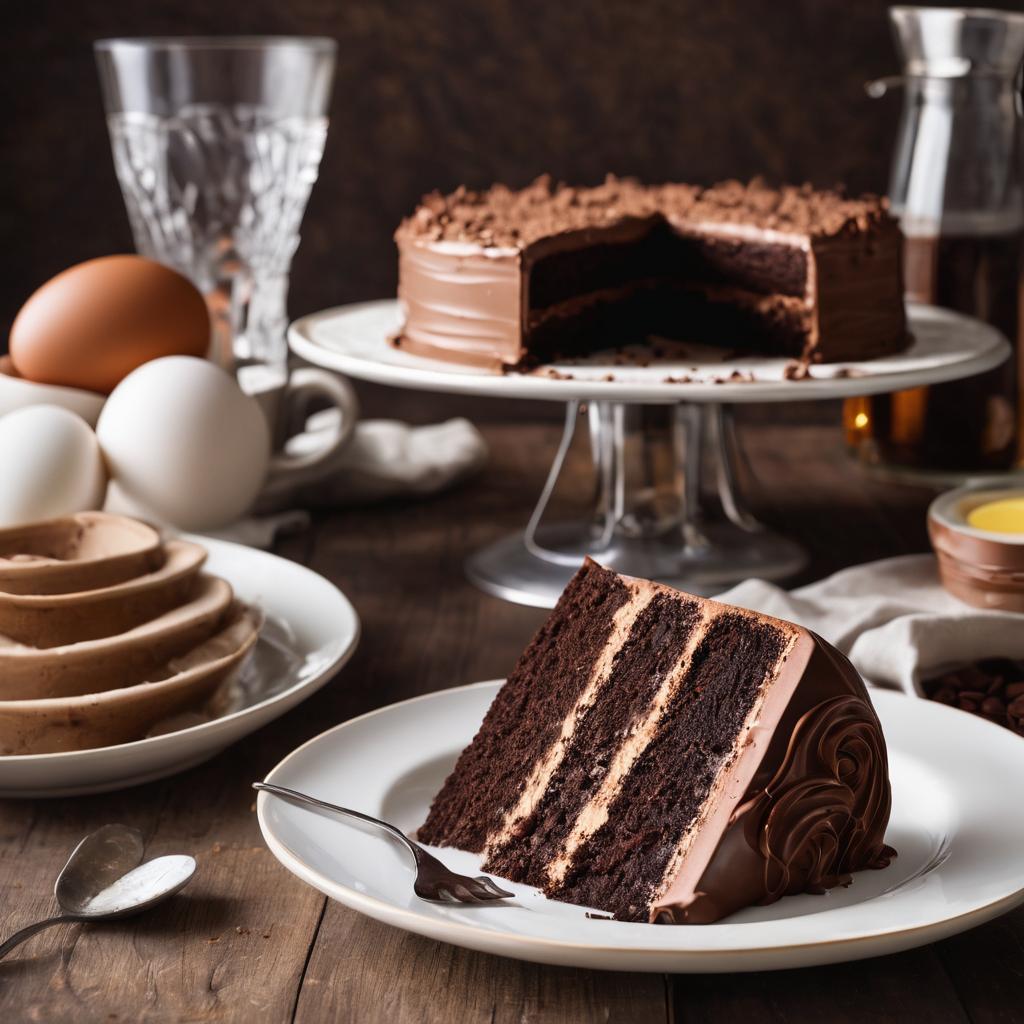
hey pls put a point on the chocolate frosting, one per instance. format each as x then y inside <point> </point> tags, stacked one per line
<point>815,812</point>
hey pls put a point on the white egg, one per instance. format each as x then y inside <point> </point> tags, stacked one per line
<point>50,465</point>
<point>184,444</point>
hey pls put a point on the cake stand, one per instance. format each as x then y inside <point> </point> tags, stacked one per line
<point>667,502</point>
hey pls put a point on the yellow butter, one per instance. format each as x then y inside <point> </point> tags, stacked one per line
<point>1003,516</point>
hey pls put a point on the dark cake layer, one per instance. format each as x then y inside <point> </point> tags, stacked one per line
<point>526,718</point>
<point>655,644</point>
<point>664,252</point>
<point>621,865</point>
<point>709,314</point>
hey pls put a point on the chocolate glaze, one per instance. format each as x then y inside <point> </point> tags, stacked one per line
<point>815,811</point>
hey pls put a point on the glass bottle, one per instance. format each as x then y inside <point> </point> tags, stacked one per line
<point>956,187</point>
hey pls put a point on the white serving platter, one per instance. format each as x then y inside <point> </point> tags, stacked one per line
<point>958,835</point>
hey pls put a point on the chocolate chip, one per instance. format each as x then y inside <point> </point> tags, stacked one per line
<point>993,706</point>
<point>983,689</point>
<point>977,696</point>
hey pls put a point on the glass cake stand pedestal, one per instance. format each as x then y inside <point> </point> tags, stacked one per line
<point>666,506</point>
<point>667,497</point>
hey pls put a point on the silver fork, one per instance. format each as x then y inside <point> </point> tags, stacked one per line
<point>433,880</point>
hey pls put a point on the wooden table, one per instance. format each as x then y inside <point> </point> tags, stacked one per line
<point>248,942</point>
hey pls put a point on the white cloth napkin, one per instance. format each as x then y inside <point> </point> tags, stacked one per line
<point>892,618</point>
<point>384,459</point>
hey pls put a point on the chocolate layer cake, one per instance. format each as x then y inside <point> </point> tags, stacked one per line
<point>668,758</point>
<point>507,279</point>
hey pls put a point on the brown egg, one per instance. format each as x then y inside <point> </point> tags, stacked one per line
<point>94,323</point>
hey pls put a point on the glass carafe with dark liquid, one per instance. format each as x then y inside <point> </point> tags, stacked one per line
<point>957,189</point>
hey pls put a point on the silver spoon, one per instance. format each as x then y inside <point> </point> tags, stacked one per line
<point>433,880</point>
<point>105,878</point>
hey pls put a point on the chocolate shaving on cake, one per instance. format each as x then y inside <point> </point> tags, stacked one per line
<point>792,208</point>
<point>736,377</point>
<point>504,218</point>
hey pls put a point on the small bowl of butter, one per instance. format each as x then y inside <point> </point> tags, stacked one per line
<point>977,532</point>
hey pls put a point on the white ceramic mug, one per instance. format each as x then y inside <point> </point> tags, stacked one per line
<point>281,401</point>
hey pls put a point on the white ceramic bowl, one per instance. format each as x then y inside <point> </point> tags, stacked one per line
<point>17,393</point>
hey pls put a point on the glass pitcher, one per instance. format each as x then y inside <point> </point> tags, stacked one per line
<point>956,187</point>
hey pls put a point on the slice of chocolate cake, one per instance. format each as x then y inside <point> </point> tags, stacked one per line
<point>668,758</point>
<point>509,279</point>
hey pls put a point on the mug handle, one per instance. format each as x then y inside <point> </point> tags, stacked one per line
<point>308,381</point>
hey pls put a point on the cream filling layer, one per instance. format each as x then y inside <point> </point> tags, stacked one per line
<point>536,785</point>
<point>595,812</point>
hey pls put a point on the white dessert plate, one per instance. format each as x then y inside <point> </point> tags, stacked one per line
<point>354,340</point>
<point>958,841</point>
<point>310,631</point>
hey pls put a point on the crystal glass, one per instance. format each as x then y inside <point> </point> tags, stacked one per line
<point>217,144</point>
<point>958,190</point>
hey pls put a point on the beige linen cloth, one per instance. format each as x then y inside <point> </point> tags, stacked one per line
<point>892,618</point>
<point>384,459</point>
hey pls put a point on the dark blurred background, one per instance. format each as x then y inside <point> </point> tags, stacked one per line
<point>431,93</point>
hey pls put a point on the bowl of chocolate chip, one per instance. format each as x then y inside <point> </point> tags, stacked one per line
<point>992,688</point>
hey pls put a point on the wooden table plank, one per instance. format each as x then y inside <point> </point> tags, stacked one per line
<point>369,973</point>
<point>908,987</point>
<point>987,967</point>
<point>247,941</point>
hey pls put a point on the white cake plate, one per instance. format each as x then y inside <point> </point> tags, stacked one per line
<point>667,504</point>
<point>957,839</point>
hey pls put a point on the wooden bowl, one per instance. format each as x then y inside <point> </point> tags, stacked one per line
<point>182,684</point>
<point>114,662</point>
<point>86,551</point>
<point>54,620</point>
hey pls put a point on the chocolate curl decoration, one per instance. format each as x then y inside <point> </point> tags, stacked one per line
<point>823,814</point>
